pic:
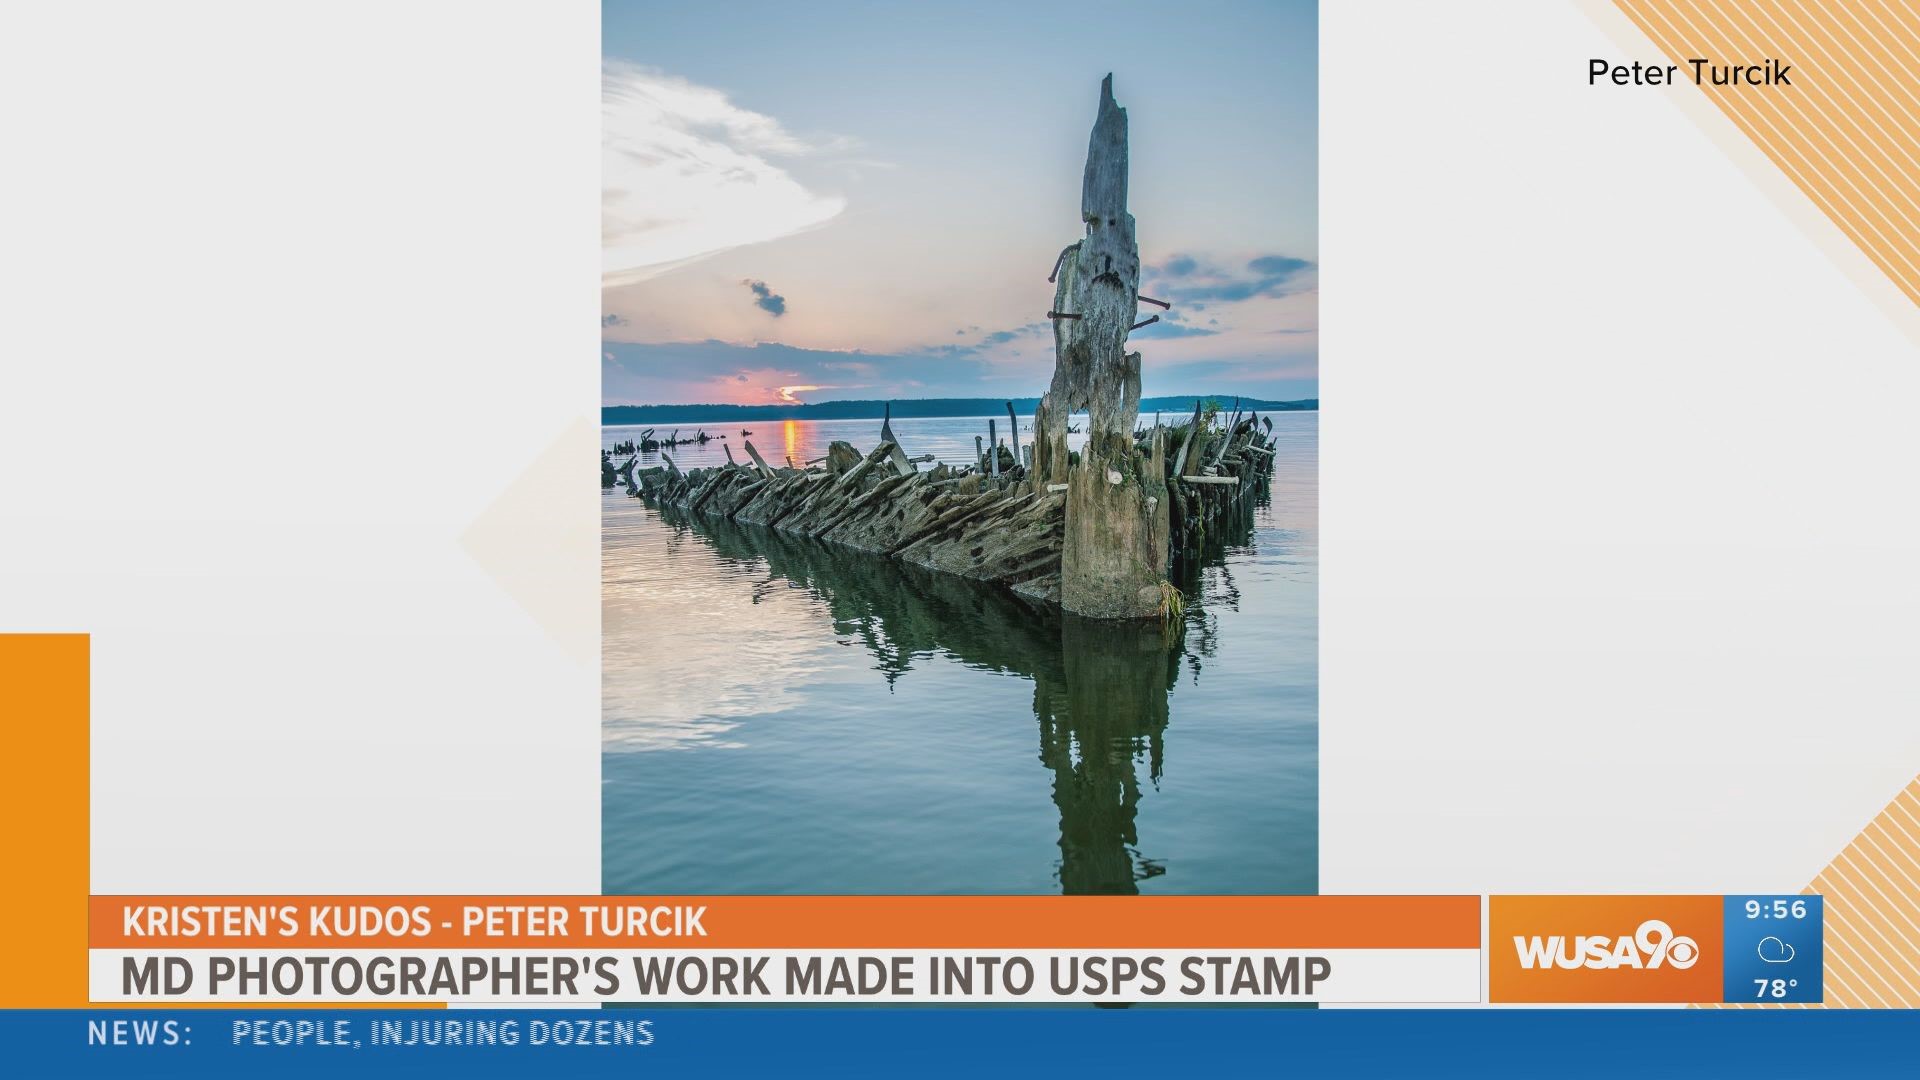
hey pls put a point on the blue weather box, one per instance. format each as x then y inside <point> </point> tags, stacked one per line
<point>1773,949</point>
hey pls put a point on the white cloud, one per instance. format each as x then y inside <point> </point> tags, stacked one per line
<point>685,174</point>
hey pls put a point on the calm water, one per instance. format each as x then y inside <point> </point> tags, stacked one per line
<point>785,716</point>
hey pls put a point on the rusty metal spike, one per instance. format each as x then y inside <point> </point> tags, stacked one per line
<point>1061,261</point>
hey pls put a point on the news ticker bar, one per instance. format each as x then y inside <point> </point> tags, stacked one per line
<point>570,950</point>
<point>374,1042</point>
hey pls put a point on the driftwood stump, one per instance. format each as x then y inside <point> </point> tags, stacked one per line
<point>1114,562</point>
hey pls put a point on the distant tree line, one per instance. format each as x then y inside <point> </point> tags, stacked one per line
<point>1174,408</point>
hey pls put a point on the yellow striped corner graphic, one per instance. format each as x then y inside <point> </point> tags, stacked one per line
<point>1872,902</point>
<point>1872,892</point>
<point>1846,130</point>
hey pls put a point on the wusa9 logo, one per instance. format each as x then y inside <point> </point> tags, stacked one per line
<point>1653,945</point>
<point>1604,949</point>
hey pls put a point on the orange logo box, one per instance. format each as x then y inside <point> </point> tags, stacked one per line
<point>1604,949</point>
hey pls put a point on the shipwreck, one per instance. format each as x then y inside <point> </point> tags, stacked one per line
<point>1094,531</point>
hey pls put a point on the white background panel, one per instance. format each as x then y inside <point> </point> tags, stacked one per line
<point>292,296</point>
<point>1620,583</point>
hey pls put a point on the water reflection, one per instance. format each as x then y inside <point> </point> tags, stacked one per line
<point>1102,709</point>
<point>790,436</point>
<point>1100,689</point>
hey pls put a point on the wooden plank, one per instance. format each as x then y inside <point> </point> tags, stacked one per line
<point>758,461</point>
<point>1193,432</point>
<point>853,475</point>
<point>901,464</point>
<point>1232,426</point>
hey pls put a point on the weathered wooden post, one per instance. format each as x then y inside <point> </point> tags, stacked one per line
<point>759,462</point>
<point>1114,561</point>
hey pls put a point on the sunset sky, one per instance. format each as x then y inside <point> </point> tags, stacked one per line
<point>862,200</point>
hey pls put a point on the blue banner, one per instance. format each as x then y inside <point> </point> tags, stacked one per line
<point>951,1042</point>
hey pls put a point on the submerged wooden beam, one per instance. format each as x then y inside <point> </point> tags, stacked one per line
<point>947,523</point>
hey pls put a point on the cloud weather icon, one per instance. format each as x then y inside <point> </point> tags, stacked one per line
<point>1774,951</point>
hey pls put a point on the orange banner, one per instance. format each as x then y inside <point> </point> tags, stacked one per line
<point>44,687</point>
<point>786,922</point>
